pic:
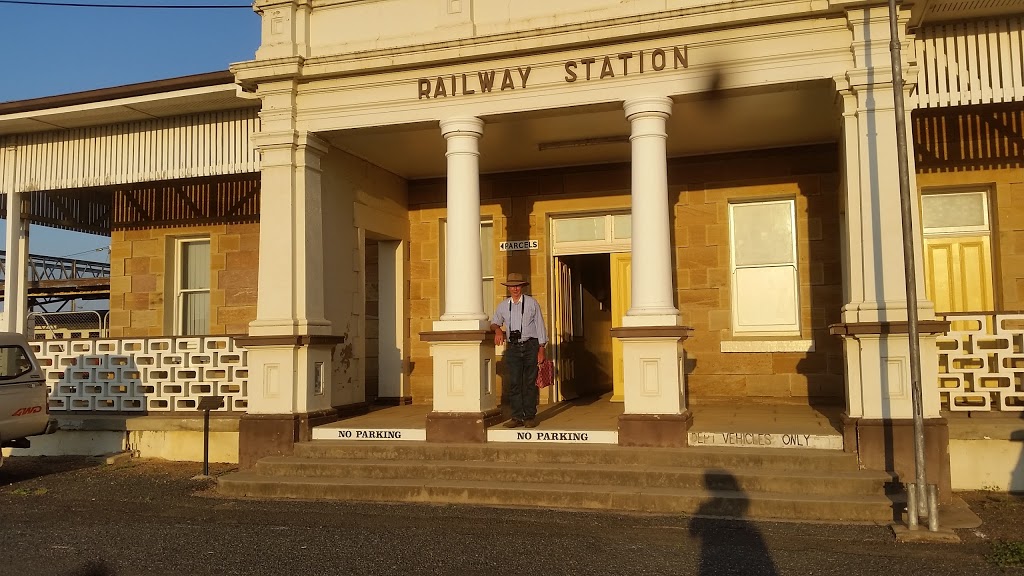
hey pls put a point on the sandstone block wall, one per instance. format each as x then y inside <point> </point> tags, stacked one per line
<point>141,270</point>
<point>521,206</point>
<point>981,147</point>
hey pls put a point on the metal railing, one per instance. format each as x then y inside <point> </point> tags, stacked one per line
<point>53,268</point>
<point>68,325</point>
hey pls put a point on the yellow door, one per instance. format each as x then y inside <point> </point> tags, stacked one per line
<point>621,263</point>
<point>958,273</point>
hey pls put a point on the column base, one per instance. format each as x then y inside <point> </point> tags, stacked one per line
<point>464,371</point>
<point>457,427</point>
<point>654,430</point>
<point>884,444</point>
<point>262,435</point>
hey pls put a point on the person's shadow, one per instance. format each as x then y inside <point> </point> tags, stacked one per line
<point>729,546</point>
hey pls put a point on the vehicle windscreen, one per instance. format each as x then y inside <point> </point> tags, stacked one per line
<point>14,362</point>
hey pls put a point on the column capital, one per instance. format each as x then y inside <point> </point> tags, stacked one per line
<point>464,126</point>
<point>648,106</point>
<point>309,141</point>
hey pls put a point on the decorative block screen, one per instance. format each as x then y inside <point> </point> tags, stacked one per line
<point>143,374</point>
<point>981,362</point>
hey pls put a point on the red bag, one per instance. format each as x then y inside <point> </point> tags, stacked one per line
<point>545,374</point>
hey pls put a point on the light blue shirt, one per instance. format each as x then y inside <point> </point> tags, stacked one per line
<point>524,315</point>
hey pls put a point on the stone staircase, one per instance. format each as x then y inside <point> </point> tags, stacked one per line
<point>823,485</point>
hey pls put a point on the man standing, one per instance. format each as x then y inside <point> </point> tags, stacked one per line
<point>520,315</point>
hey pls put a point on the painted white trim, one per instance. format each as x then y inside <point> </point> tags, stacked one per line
<point>369,434</point>
<point>557,436</point>
<point>768,346</point>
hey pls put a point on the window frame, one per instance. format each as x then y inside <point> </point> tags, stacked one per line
<point>24,356</point>
<point>793,330</point>
<point>178,327</point>
<point>983,229</point>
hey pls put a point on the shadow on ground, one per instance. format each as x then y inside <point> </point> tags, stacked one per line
<point>20,469</point>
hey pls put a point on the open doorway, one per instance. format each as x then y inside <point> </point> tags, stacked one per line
<point>384,321</point>
<point>591,296</point>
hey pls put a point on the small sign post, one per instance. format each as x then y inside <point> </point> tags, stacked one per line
<point>207,403</point>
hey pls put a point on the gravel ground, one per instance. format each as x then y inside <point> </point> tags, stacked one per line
<point>79,517</point>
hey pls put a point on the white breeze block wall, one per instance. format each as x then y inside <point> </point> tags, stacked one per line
<point>143,374</point>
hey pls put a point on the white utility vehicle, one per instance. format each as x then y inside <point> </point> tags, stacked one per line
<point>23,408</point>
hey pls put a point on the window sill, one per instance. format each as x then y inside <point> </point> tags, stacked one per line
<point>768,346</point>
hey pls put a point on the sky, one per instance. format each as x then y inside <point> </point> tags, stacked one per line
<point>52,50</point>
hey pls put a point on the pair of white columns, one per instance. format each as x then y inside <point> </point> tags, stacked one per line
<point>462,355</point>
<point>653,303</point>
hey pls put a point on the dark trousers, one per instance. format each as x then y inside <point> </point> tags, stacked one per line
<point>521,378</point>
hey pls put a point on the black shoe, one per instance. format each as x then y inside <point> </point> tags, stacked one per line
<point>513,423</point>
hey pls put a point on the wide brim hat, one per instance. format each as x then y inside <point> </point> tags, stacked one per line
<point>515,279</point>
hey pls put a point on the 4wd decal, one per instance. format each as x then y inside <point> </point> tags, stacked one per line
<point>28,410</point>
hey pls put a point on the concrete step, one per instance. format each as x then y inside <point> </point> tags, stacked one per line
<point>779,459</point>
<point>787,506</point>
<point>748,480</point>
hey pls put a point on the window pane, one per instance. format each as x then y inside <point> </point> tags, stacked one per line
<point>579,229</point>
<point>954,210</point>
<point>622,226</point>
<point>14,361</point>
<point>195,313</point>
<point>763,233</point>
<point>487,249</point>
<point>766,299</point>
<point>489,297</point>
<point>195,265</point>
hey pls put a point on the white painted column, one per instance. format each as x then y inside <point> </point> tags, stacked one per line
<point>461,347</point>
<point>16,266</point>
<point>653,301</point>
<point>290,341</point>
<point>291,291</point>
<point>463,286</point>
<point>878,361</point>
<point>654,398</point>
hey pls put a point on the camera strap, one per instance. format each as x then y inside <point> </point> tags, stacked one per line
<point>522,312</point>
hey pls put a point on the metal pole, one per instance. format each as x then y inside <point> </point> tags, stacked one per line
<point>206,443</point>
<point>933,508</point>
<point>909,264</point>
<point>912,507</point>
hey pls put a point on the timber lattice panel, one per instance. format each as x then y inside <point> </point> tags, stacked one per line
<point>981,362</point>
<point>143,374</point>
<point>970,62</point>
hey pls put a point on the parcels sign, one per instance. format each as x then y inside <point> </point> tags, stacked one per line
<point>518,245</point>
